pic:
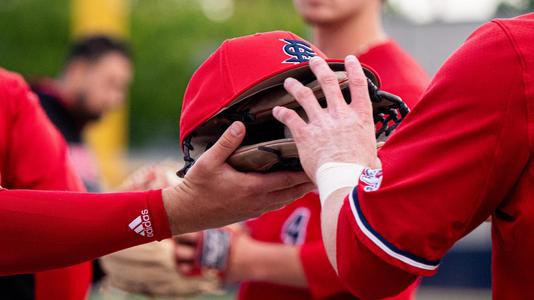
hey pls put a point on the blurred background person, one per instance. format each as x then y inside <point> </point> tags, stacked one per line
<point>343,27</point>
<point>94,80</point>
<point>281,254</point>
<point>338,28</point>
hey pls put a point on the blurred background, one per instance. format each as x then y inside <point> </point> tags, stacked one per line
<point>170,38</point>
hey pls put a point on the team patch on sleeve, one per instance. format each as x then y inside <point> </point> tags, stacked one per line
<point>370,179</point>
<point>387,247</point>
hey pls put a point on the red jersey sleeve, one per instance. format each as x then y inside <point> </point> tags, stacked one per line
<point>44,230</point>
<point>445,170</point>
<point>323,281</point>
<point>34,155</point>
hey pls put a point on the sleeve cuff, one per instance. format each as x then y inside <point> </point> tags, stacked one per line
<point>361,269</point>
<point>381,247</point>
<point>159,215</point>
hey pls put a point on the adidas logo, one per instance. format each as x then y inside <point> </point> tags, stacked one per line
<point>142,225</point>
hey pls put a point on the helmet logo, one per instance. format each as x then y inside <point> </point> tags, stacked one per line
<point>298,51</point>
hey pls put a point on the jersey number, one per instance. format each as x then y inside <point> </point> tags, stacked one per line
<point>294,229</point>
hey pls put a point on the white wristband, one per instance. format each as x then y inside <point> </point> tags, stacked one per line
<point>333,176</point>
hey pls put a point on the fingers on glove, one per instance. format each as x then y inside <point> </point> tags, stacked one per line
<point>225,145</point>
<point>358,85</point>
<point>329,83</point>
<point>290,119</point>
<point>304,96</point>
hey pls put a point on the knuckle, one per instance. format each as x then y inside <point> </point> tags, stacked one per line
<point>285,115</point>
<point>328,78</point>
<point>291,115</point>
<point>251,187</point>
<point>201,165</point>
<point>225,142</point>
<point>304,92</point>
<point>358,81</point>
<point>299,132</point>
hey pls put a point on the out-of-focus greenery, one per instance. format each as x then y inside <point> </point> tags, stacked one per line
<point>33,35</point>
<point>170,38</point>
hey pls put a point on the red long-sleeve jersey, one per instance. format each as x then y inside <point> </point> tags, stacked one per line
<point>46,230</point>
<point>463,154</point>
<point>33,156</point>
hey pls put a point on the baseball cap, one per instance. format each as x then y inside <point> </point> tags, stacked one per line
<point>244,66</point>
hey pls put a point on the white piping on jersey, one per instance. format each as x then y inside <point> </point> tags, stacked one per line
<point>381,245</point>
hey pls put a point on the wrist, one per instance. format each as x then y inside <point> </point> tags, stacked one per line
<point>167,198</point>
<point>332,176</point>
<point>172,198</point>
<point>243,263</point>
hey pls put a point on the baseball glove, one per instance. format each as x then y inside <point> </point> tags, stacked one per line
<point>268,145</point>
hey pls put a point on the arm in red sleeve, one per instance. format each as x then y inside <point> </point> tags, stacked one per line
<point>43,230</point>
<point>323,281</point>
<point>447,168</point>
<point>34,154</point>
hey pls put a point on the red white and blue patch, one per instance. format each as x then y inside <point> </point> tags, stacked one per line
<point>370,179</point>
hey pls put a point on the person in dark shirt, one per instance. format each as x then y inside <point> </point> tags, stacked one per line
<point>94,80</point>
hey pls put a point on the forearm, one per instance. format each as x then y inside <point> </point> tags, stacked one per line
<point>329,219</point>
<point>268,262</point>
<point>44,230</point>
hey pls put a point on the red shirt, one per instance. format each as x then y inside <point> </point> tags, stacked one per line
<point>463,154</point>
<point>32,156</point>
<point>299,223</point>
<point>46,230</point>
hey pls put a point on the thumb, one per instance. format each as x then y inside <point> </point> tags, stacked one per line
<point>226,144</point>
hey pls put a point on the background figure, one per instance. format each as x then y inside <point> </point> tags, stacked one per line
<point>339,28</point>
<point>94,80</point>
